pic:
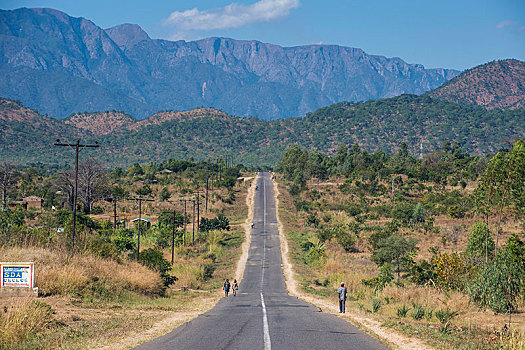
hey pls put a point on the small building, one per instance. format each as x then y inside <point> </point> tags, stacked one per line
<point>16,204</point>
<point>145,221</point>
<point>34,202</point>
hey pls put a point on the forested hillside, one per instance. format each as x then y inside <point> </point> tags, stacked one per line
<point>382,125</point>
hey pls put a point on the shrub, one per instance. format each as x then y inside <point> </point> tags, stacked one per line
<point>154,260</point>
<point>97,210</point>
<point>498,284</point>
<point>376,305</point>
<point>124,241</point>
<point>450,271</point>
<point>422,272</point>
<point>445,315</point>
<point>402,311</point>
<point>221,222</point>
<point>418,313</point>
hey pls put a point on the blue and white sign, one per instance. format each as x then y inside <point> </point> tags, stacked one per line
<point>17,275</point>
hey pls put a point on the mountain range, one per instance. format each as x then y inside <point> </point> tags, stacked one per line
<point>60,65</point>
<point>377,125</point>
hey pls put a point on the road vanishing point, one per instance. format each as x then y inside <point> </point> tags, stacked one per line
<point>263,315</point>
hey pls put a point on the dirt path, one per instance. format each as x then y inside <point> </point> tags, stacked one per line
<point>373,327</point>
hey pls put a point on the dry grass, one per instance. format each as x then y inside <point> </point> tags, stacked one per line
<point>22,319</point>
<point>352,268</point>
<point>85,275</point>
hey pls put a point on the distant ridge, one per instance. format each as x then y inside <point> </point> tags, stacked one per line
<point>497,84</point>
<point>61,65</point>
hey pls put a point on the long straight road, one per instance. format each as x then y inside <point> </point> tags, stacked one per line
<point>263,315</point>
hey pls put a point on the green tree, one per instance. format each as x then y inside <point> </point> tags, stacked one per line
<point>395,250</point>
<point>502,185</point>
<point>144,190</point>
<point>164,194</point>
<point>498,284</point>
<point>480,242</point>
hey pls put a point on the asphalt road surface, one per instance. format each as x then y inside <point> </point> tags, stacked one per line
<point>263,315</point>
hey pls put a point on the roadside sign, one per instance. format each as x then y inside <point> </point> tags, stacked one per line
<point>17,275</point>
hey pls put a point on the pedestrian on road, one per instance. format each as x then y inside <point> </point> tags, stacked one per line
<point>341,292</point>
<point>226,287</point>
<point>235,286</point>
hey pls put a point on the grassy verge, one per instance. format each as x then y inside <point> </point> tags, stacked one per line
<point>92,302</point>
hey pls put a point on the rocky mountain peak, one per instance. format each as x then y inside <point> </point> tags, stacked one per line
<point>497,84</point>
<point>127,35</point>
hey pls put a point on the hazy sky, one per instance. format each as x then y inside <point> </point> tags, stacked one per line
<point>436,33</point>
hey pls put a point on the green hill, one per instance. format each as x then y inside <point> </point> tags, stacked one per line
<point>380,125</point>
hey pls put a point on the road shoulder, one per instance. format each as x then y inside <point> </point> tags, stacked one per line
<point>392,339</point>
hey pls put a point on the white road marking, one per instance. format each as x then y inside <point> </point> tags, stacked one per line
<point>266,330</point>
<point>267,341</point>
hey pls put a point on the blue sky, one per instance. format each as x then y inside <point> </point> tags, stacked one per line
<point>451,34</point>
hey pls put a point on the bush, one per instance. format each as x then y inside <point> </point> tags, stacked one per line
<point>221,222</point>
<point>445,315</point>
<point>498,284</point>
<point>154,260</point>
<point>97,210</point>
<point>418,313</point>
<point>124,241</point>
<point>450,271</point>
<point>402,311</point>
<point>376,305</point>
<point>422,272</point>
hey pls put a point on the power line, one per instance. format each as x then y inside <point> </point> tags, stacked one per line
<point>140,200</point>
<point>77,146</point>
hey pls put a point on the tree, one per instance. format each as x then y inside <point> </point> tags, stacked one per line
<point>394,249</point>
<point>498,284</point>
<point>164,194</point>
<point>8,177</point>
<point>144,191</point>
<point>92,182</point>
<point>480,242</point>
<point>503,185</point>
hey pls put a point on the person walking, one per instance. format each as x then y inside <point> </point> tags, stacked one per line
<point>341,292</point>
<point>226,287</point>
<point>235,286</point>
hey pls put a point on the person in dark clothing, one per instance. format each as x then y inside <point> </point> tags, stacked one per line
<point>341,292</point>
<point>226,287</point>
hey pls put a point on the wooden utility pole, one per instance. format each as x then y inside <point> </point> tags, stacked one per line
<point>207,194</point>
<point>193,225</point>
<point>198,211</point>
<point>114,213</point>
<point>140,200</point>
<point>77,146</point>
<point>173,237</point>
<point>184,237</point>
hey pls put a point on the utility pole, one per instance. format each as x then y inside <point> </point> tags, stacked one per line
<point>114,213</point>
<point>140,200</point>
<point>184,237</point>
<point>77,146</point>
<point>193,225</point>
<point>198,211</point>
<point>173,237</point>
<point>207,194</point>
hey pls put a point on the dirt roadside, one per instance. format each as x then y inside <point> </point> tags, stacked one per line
<point>176,319</point>
<point>393,339</point>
